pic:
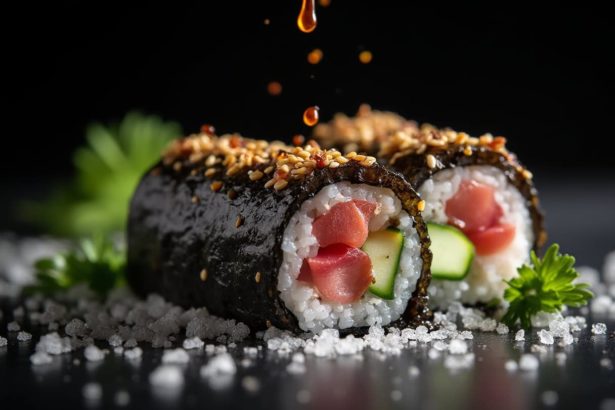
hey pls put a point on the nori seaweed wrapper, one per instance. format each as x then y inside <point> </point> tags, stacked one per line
<point>201,237</point>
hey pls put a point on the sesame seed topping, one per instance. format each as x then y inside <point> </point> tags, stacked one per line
<point>280,184</point>
<point>421,205</point>
<point>216,186</point>
<point>431,161</point>
<point>203,275</point>
<point>257,277</point>
<point>210,172</point>
<point>467,151</point>
<point>238,221</point>
<point>256,175</point>
<point>196,199</point>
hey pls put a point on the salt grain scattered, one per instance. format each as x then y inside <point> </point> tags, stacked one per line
<point>501,329</point>
<point>3,341</point>
<point>175,356</point>
<point>599,328</point>
<point>219,365</point>
<point>545,337</point>
<point>24,336</point>
<point>133,354</point>
<point>528,362</point>
<point>511,366</point>
<point>93,354</point>
<point>115,340</point>
<point>13,327</point>
<point>520,335</point>
<point>457,347</point>
<point>193,343</point>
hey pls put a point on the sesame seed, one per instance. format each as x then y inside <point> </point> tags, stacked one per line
<point>269,170</point>
<point>431,161</point>
<point>257,277</point>
<point>256,175</point>
<point>467,151</point>
<point>270,183</point>
<point>359,158</point>
<point>216,186</point>
<point>203,275</point>
<point>196,199</point>
<point>238,221</point>
<point>527,174</point>
<point>351,155</point>
<point>334,164</point>
<point>280,184</point>
<point>232,194</point>
<point>210,172</point>
<point>177,166</point>
<point>421,205</point>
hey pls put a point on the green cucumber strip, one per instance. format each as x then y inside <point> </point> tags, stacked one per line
<point>452,251</point>
<point>384,250</point>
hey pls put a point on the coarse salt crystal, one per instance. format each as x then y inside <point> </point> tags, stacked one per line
<point>457,347</point>
<point>217,365</point>
<point>520,335</point>
<point>193,343</point>
<point>93,354</point>
<point>24,336</point>
<point>13,327</point>
<point>414,371</point>
<point>501,329</point>
<point>528,362</point>
<point>175,356</point>
<point>545,337</point>
<point>599,328</point>
<point>510,366</point>
<point>133,354</point>
<point>3,341</point>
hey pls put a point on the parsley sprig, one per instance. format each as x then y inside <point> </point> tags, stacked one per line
<point>97,262</point>
<point>545,286</point>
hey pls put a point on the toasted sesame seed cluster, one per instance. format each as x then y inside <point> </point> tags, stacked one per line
<point>274,162</point>
<point>362,132</point>
<point>391,137</point>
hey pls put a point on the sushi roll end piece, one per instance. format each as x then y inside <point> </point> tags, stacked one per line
<point>276,235</point>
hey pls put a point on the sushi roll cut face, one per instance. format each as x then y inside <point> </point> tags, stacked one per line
<point>352,258</point>
<point>480,202</point>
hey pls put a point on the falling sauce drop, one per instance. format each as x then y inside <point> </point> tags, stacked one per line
<point>274,88</point>
<point>307,16</point>
<point>365,57</point>
<point>315,56</point>
<point>324,3</point>
<point>298,139</point>
<point>310,116</point>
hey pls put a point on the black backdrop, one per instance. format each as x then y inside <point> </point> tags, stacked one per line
<point>543,78</point>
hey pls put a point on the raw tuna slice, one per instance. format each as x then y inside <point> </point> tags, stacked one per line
<point>473,207</point>
<point>340,273</point>
<point>346,223</point>
<point>475,211</point>
<point>492,239</point>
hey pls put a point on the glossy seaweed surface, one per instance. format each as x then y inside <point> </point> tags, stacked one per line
<point>179,228</point>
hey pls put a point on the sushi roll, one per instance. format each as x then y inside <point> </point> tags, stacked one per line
<point>481,207</point>
<point>296,237</point>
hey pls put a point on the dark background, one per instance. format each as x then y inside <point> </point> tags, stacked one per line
<point>543,78</point>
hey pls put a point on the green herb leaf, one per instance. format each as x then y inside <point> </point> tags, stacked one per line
<point>108,169</point>
<point>96,262</point>
<point>545,286</point>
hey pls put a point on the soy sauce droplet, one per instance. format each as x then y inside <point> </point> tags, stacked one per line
<point>310,116</point>
<point>307,16</point>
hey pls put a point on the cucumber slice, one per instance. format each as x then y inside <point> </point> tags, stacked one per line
<point>384,249</point>
<point>453,252</point>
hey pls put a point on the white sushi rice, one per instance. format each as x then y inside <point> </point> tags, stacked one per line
<point>303,300</point>
<point>485,281</point>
